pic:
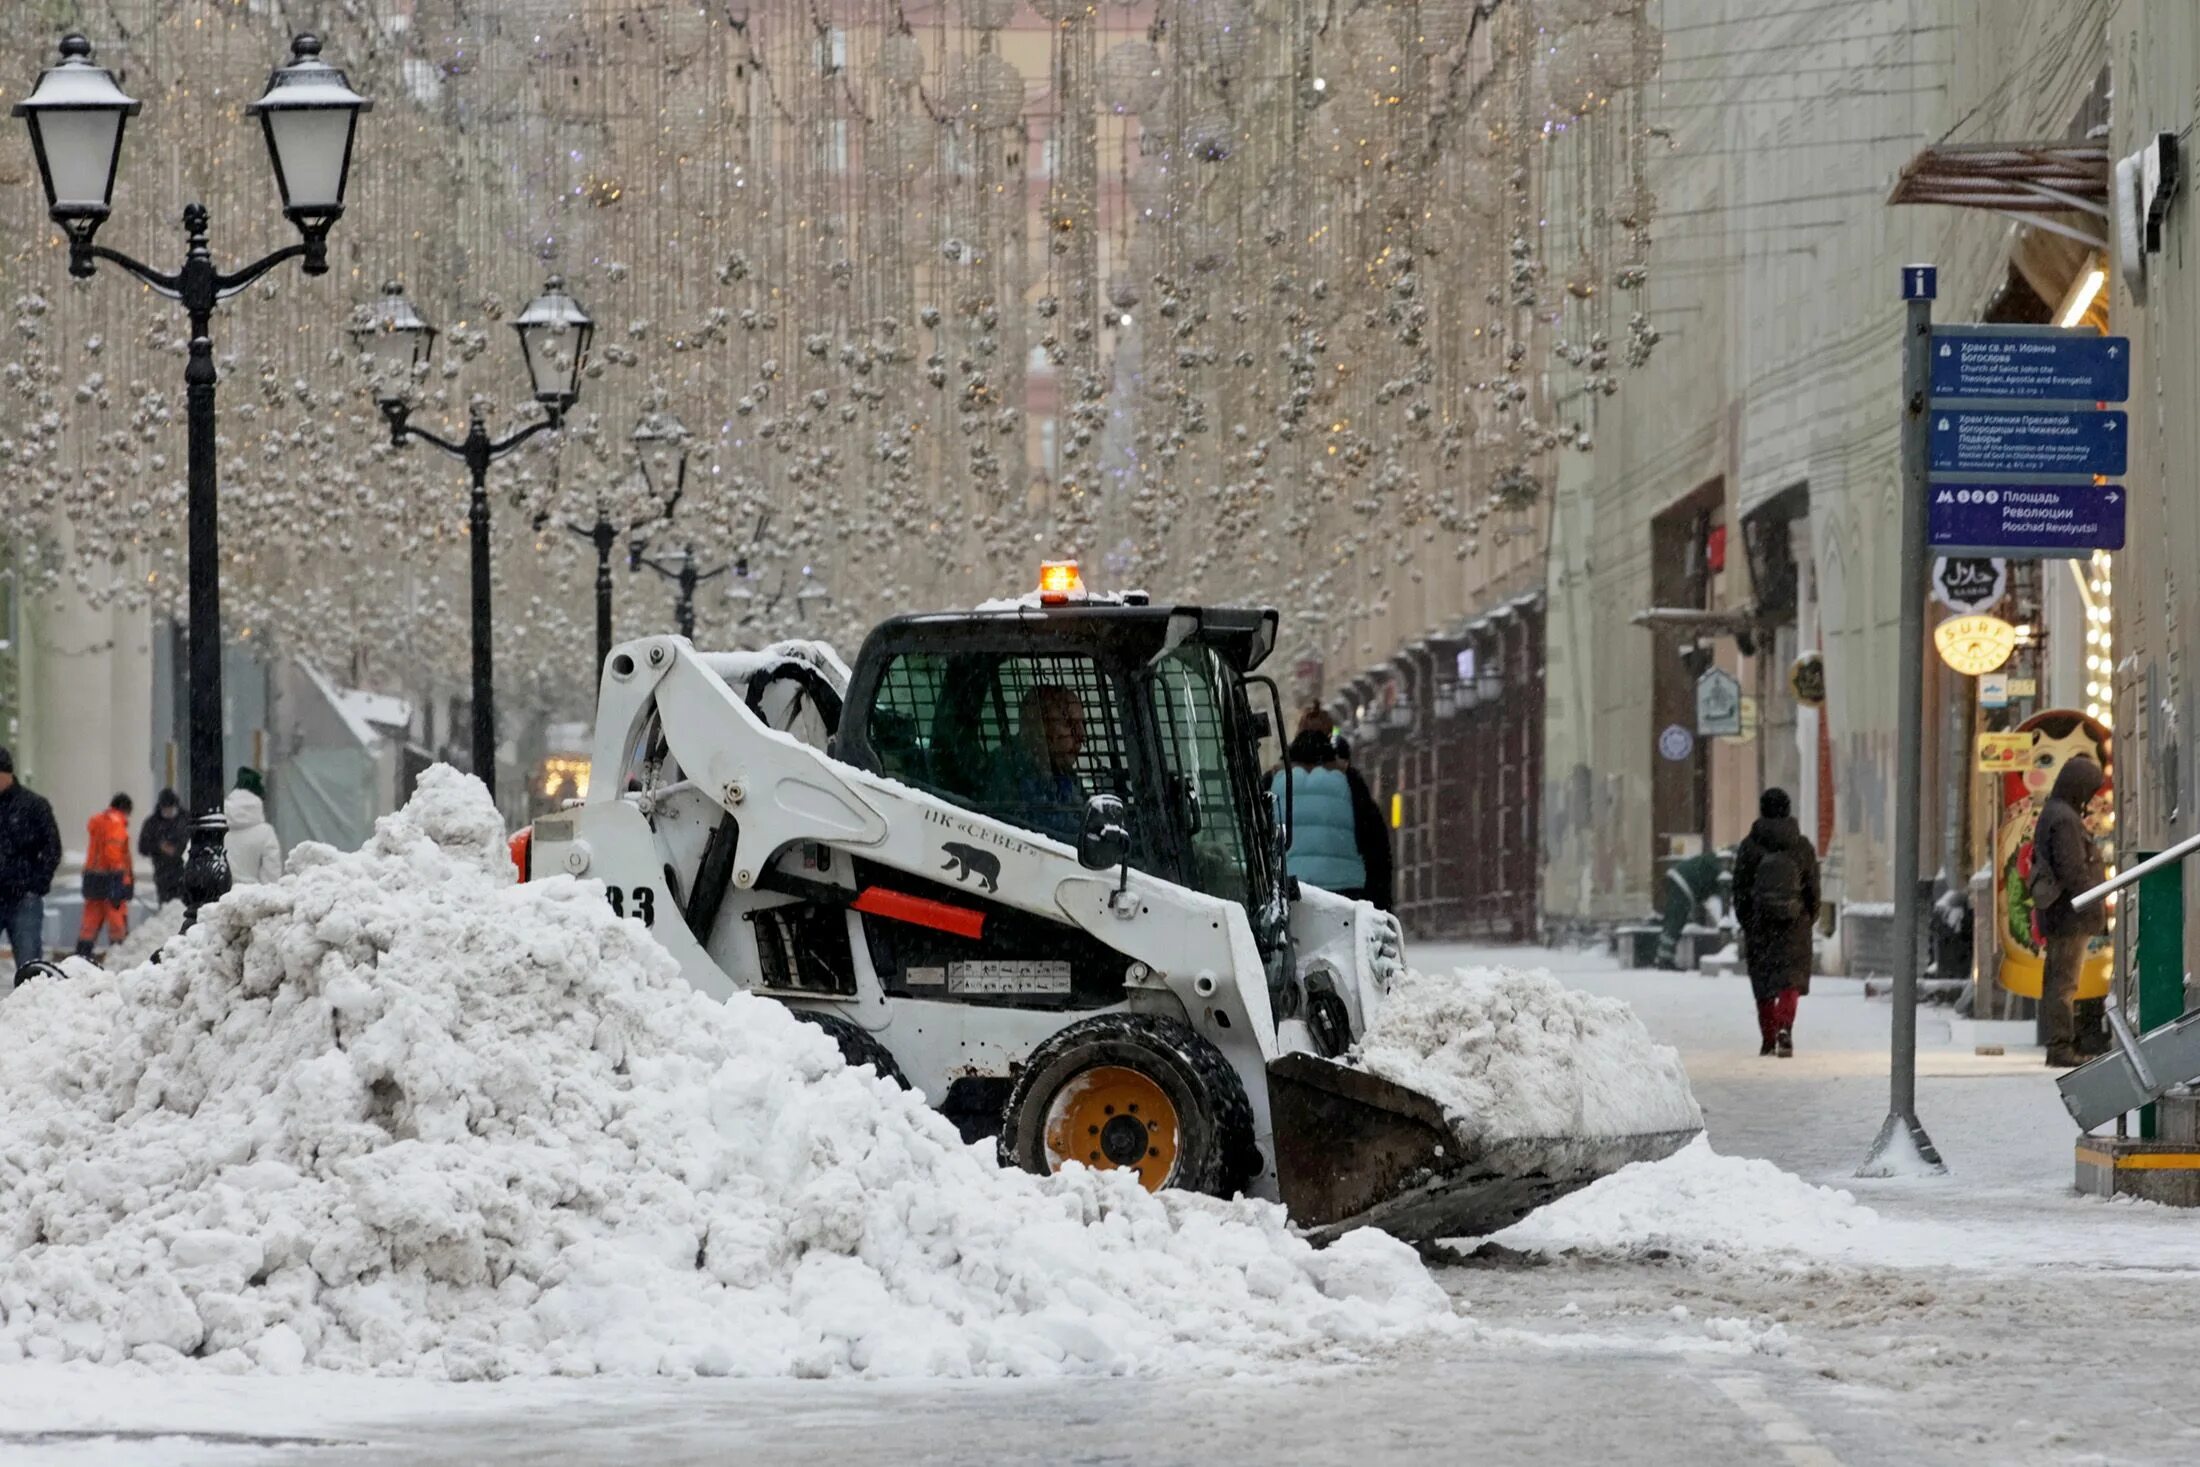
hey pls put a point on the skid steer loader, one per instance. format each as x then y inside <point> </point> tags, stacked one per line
<point>1023,859</point>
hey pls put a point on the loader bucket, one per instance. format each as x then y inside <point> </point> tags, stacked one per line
<point>1356,1150</point>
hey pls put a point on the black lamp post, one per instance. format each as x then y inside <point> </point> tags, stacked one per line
<point>554,333</point>
<point>657,436</point>
<point>309,113</point>
<point>681,570</point>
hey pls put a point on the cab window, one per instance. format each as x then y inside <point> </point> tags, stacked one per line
<point>1025,738</point>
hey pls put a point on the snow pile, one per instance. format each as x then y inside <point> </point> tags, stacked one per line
<point>1695,1204</point>
<point>1513,1054</point>
<point>395,1113</point>
<point>146,938</point>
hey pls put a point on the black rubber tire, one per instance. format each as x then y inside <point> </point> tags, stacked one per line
<point>1215,1150</point>
<point>858,1046</point>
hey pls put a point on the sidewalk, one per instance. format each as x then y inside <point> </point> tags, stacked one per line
<point>1998,1121</point>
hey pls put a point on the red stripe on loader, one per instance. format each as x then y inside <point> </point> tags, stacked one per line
<point>922,911</point>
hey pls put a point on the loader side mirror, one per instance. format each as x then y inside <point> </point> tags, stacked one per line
<point>1105,840</point>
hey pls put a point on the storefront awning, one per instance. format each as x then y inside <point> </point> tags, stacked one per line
<point>1726,623</point>
<point>2022,180</point>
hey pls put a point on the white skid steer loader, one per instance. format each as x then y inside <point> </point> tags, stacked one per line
<point>1023,860</point>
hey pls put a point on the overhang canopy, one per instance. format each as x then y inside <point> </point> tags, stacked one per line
<point>2022,180</point>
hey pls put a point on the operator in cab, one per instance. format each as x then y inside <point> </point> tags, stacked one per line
<point>1035,780</point>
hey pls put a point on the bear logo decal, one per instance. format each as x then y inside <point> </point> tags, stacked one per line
<point>968,861</point>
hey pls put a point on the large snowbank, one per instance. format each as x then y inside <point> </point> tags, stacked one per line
<point>1513,1054</point>
<point>395,1113</point>
<point>146,938</point>
<point>1698,1204</point>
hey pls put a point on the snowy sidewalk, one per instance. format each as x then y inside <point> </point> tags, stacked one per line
<point>1998,1122</point>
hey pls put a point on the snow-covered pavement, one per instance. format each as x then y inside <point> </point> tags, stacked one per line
<point>1713,1310</point>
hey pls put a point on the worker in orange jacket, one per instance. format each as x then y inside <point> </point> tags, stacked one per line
<point>109,878</point>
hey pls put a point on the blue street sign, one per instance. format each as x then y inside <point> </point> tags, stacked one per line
<point>2073,365</point>
<point>2027,519</point>
<point>1920,282</point>
<point>2066,442</point>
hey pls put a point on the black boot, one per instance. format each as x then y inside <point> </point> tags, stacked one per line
<point>1787,1044</point>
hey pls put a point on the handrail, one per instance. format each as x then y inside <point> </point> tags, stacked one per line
<point>2123,879</point>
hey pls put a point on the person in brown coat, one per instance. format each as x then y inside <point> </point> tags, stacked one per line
<point>2065,863</point>
<point>1776,901</point>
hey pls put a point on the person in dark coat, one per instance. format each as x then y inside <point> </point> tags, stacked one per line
<point>30,851</point>
<point>162,839</point>
<point>2065,863</point>
<point>1776,901</point>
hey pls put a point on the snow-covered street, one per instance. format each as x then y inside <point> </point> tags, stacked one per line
<point>1709,1308</point>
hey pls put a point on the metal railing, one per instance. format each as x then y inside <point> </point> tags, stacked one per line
<point>2123,879</point>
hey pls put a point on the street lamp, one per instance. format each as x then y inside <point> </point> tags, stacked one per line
<point>681,570</point>
<point>811,593</point>
<point>309,114</point>
<point>656,435</point>
<point>554,333</point>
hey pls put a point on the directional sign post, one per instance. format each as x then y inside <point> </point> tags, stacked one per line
<point>2057,441</point>
<point>2068,521</point>
<point>2032,363</point>
<point>2006,448</point>
<point>1902,1148</point>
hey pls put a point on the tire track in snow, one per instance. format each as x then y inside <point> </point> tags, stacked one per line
<point>1782,1428</point>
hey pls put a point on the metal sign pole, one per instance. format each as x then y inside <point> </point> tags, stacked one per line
<point>1902,1147</point>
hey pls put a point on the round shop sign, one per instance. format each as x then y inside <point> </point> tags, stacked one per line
<point>1807,680</point>
<point>1975,645</point>
<point>1968,584</point>
<point>1676,743</point>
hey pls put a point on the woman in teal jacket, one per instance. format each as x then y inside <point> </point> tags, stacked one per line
<point>1325,849</point>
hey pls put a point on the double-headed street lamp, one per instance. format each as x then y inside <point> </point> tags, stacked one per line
<point>554,333</point>
<point>309,114</point>
<point>680,569</point>
<point>658,437</point>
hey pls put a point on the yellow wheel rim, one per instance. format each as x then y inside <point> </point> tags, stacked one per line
<point>1110,1118</point>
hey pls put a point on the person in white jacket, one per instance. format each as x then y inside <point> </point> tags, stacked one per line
<point>255,854</point>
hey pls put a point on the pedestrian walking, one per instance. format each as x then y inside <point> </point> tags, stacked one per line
<point>2065,863</point>
<point>1776,901</point>
<point>30,852</point>
<point>109,878</point>
<point>255,852</point>
<point>1323,849</point>
<point>162,839</point>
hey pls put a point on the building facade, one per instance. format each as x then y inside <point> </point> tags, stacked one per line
<point>1739,510</point>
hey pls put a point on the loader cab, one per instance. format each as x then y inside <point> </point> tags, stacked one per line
<point>1026,711</point>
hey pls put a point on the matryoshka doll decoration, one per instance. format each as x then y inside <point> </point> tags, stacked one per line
<point>2057,736</point>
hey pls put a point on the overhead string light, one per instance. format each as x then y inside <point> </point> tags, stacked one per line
<point>1230,299</point>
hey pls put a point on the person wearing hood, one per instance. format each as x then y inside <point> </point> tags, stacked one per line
<point>255,854</point>
<point>1776,900</point>
<point>2066,863</point>
<point>162,839</point>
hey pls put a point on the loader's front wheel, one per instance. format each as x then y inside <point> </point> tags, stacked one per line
<point>1132,1092</point>
<point>858,1047</point>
